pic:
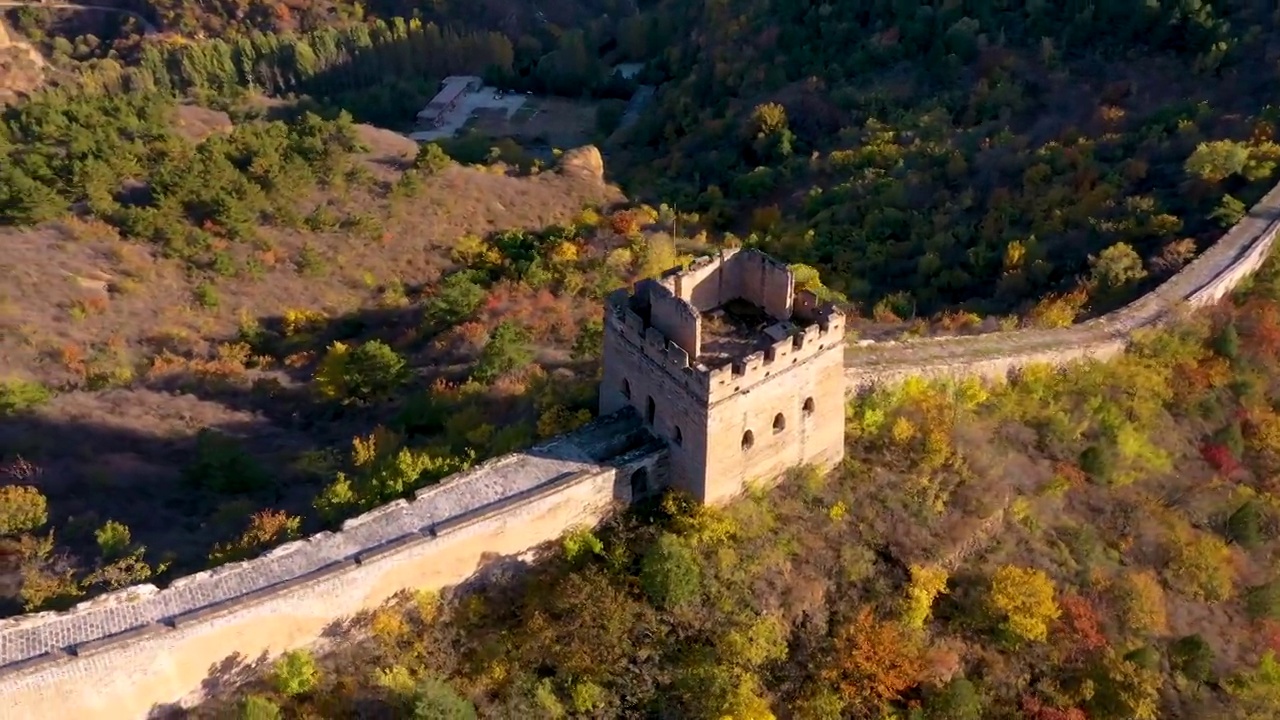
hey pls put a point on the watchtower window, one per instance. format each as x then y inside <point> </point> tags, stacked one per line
<point>808,406</point>
<point>677,437</point>
<point>626,388</point>
<point>748,439</point>
<point>650,411</point>
<point>779,423</point>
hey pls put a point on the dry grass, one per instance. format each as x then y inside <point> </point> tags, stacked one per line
<point>120,331</point>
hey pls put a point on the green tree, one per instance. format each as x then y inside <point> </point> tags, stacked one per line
<point>1192,657</point>
<point>590,341</point>
<point>507,350</point>
<point>669,572</point>
<point>432,159</point>
<point>295,673</point>
<point>113,539</point>
<point>1244,526</point>
<point>437,700</point>
<point>368,372</point>
<point>19,396</point>
<point>1117,266</point>
<point>455,300</point>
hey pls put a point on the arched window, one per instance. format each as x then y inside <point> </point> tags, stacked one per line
<point>779,423</point>
<point>808,406</point>
<point>650,411</point>
<point>626,388</point>
<point>677,437</point>
<point>748,439</point>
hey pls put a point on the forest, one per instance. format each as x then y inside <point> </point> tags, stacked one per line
<point>231,297</point>
<point>965,156</point>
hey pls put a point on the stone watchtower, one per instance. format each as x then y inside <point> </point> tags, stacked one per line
<point>742,376</point>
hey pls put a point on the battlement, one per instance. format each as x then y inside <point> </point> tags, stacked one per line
<point>724,323</point>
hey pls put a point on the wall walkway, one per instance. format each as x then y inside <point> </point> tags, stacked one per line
<point>125,654</point>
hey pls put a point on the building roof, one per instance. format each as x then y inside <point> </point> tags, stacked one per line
<point>451,92</point>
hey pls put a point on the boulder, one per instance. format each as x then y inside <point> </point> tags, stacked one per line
<point>584,162</point>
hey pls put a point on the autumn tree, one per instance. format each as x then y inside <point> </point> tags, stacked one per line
<point>1217,160</point>
<point>1141,603</point>
<point>1123,689</point>
<point>874,663</point>
<point>1255,692</point>
<point>1201,566</point>
<point>1024,598</point>
<point>926,584</point>
<point>22,509</point>
<point>267,528</point>
<point>1080,626</point>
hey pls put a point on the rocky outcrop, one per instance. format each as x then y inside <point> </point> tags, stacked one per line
<point>584,162</point>
<point>21,66</point>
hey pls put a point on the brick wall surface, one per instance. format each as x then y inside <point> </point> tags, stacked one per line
<point>123,654</point>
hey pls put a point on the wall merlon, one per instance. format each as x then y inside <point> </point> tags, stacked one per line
<point>677,358</point>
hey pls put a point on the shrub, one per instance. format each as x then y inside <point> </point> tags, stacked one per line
<point>669,572</point>
<point>580,543</point>
<point>431,159</point>
<point>20,395</point>
<point>113,539</point>
<point>367,372</point>
<point>267,528</point>
<point>221,465</point>
<point>257,707</point>
<point>506,350</point>
<point>455,300</point>
<point>22,509</point>
<point>295,673</point>
<point>437,700</point>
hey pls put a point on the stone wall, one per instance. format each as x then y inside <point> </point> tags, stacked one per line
<point>125,654</point>
<point>1207,279</point>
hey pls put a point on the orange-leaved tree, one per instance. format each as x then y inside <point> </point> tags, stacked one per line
<point>874,663</point>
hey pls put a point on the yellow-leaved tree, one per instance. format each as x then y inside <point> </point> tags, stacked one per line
<point>1025,599</point>
<point>926,584</point>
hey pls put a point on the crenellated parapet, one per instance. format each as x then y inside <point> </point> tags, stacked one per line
<point>661,321</point>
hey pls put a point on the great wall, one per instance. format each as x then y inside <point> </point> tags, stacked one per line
<point>135,652</point>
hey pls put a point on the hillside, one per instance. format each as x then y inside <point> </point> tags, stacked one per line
<point>176,282</point>
<point>1091,544</point>
<point>973,157</point>
<point>21,68</point>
